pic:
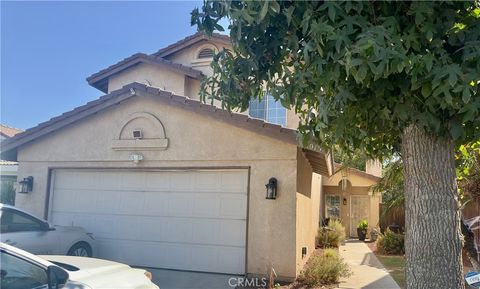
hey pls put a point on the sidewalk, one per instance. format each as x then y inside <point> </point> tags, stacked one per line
<point>368,272</point>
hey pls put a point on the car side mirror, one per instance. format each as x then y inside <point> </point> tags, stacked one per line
<point>46,227</point>
<point>57,277</point>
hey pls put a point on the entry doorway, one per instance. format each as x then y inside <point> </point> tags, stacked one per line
<point>359,210</point>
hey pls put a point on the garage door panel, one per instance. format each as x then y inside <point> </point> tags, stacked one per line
<point>234,182</point>
<point>181,182</point>
<point>132,181</point>
<point>236,233</point>
<point>156,181</point>
<point>234,207</point>
<point>186,220</point>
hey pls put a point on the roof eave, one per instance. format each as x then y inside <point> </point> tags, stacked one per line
<point>10,146</point>
<point>191,40</point>
<point>99,79</point>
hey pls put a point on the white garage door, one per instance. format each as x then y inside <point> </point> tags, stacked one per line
<point>187,220</point>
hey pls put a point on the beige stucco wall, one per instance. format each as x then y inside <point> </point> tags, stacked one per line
<point>358,185</point>
<point>194,141</point>
<point>309,191</point>
<point>192,87</point>
<point>188,55</point>
<point>148,74</point>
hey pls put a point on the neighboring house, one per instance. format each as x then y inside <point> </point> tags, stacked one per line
<point>166,181</point>
<point>348,197</point>
<point>8,169</point>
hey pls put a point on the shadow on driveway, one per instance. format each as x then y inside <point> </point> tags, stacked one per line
<point>173,279</point>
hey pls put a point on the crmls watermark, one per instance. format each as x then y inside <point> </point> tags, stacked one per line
<point>244,282</point>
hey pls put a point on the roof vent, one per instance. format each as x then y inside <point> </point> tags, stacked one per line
<point>205,53</point>
<point>137,134</point>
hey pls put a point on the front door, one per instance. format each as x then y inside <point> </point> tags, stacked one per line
<point>359,210</point>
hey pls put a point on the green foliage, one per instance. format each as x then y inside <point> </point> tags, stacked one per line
<point>363,225</point>
<point>391,186</point>
<point>391,243</point>
<point>356,73</point>
<point>333,234</point>
<point>323,269</point>
<point>468,169</point>
<point>7,193</point>
<point>355,159</point>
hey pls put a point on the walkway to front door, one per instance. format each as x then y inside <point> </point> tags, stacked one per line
<point>368,272</point>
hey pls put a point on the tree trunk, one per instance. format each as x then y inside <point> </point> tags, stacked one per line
<point>432,217</point>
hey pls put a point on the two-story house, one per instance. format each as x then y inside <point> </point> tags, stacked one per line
<point>165,181</point>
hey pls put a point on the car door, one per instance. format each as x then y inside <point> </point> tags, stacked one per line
<point>27,232</point>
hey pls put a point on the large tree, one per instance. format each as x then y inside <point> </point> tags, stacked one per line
<point>371,75</point>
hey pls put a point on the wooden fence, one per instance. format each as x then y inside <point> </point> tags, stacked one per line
<point>395,216</point>
<point>471,214</point>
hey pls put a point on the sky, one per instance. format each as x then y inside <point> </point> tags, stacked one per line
<point>48,49</point>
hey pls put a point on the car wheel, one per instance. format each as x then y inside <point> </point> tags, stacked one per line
<point>81,249</point>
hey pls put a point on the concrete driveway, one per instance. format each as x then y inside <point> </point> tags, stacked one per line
<point>173,279</point>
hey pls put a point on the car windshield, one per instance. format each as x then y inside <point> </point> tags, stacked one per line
<point>17,273</point>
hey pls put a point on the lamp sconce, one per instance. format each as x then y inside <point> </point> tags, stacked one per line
<point>345,201</point>
<point>271,189</point>
<point>26,185</point>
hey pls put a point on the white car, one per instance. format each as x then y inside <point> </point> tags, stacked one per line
<point>22,270</point>
<point>25,231</point>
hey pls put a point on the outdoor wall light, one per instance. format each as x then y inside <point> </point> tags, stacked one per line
<point>26,185</point>
<point>344,201</point>
<point>271,189</point>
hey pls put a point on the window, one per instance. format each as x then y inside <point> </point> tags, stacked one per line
<point>12,221</point>
<point>205,53</point>
<point>269,110</point>
<point>18,273</point>
<point>332,207</point>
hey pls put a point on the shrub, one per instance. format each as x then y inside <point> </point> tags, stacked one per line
<point>333,234</point>
<point>325,268</point>
<point>391,243</point>
<point>363,225</point>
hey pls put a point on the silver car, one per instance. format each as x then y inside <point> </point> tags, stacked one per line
<point>25,231</point>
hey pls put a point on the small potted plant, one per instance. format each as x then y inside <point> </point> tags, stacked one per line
<point>362,230</point>
<point>374,234</point>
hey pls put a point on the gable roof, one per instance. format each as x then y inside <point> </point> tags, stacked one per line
<point>10,146</point>
<point>357,172</point>
<point>99,80</point>
<point>190,40</point>
<point>8,131</point>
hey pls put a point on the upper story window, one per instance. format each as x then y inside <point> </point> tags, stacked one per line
<point>269,110</point>
<point>205,53</point>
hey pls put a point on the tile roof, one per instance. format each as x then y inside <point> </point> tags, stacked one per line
<point>134,89</point>
<point>8,131</point>
<point>190,40</point>
<point>99,80</point>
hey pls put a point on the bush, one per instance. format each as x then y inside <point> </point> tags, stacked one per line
<point>333,234</point>
<point>363,225</point>
<point>325,268</point>
<point>391,243</point>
